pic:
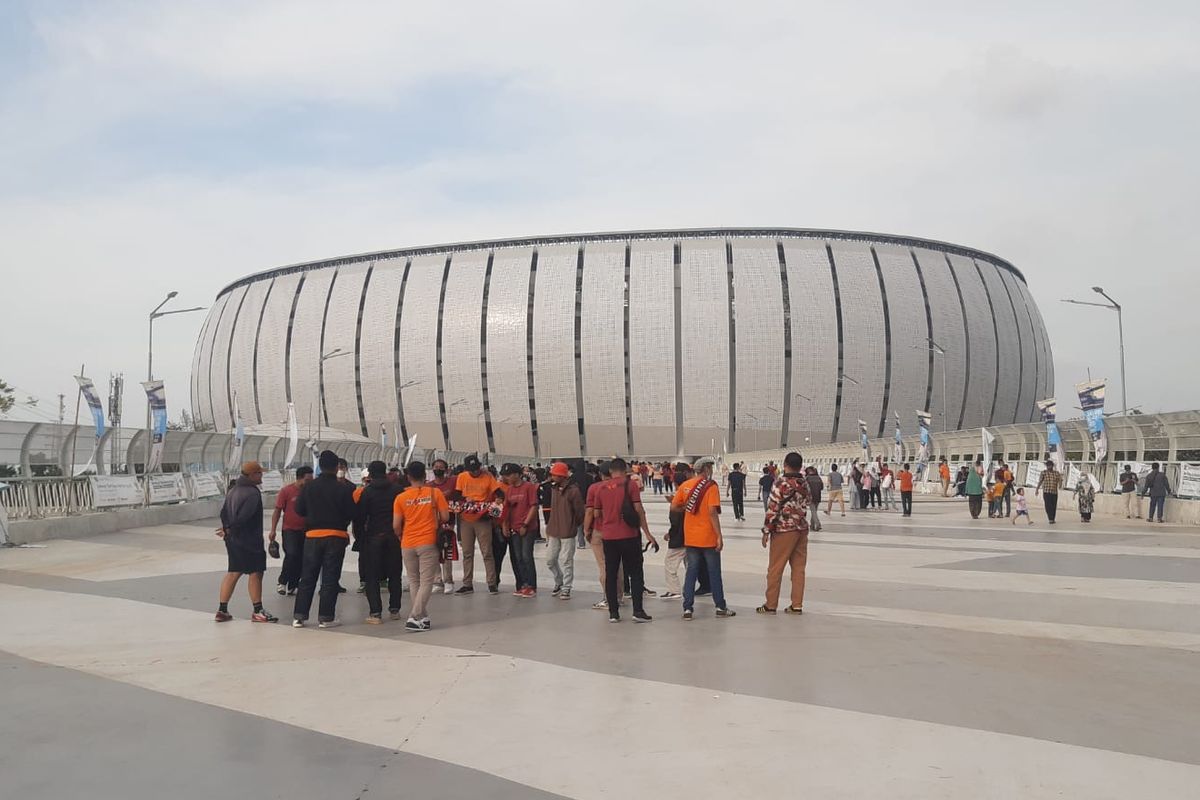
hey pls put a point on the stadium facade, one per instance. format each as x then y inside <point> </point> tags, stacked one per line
<point>648,343</point>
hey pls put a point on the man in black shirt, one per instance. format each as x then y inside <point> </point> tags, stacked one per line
<point>379,548</point>
<point>736,488</point>
<point>242,530</point>
<point>327,505</point>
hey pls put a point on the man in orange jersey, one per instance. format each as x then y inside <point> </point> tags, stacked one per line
<point>419,511</point>
<point>327,505</point>
<point>700,501</point>
<point>477,484</point>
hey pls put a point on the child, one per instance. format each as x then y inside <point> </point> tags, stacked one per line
<point>1022,507</point>
<point>997,499</point>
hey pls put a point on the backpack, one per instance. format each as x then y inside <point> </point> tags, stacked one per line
<point>629,514</point>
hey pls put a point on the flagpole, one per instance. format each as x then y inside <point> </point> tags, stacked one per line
<point>70,472</point>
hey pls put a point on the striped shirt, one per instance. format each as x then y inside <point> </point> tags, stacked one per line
<point>1050,482</point>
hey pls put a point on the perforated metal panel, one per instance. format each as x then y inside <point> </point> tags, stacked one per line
<point>305,356</point>
<point>418,350</point>
<point>198,383</point>
<point>341,396</point>
<point>910,350</point>
<point>603,348</point>
<point>652,347</point>
<point>507,370</point>
<point>1030,346</point>
<point>814,342</point>
<point>759,354</point>
<point>377,349</point>
<point>554,352</point>
<point>462,376</point>
<point>1008,346</point>
<point>1044,386</point>
<point>949,331</point>
<point>983,344</point>
<point>863,340</point>
<point>272,351</point>
<point>207,365</point>
<point>222,407</point>
<point>241,356</point>
<point>704,279</point>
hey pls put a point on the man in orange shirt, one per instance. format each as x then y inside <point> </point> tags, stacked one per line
<point>700,501</point>
<point>944,474</point>
<point>477,484</point>
<point>419,511</point>
<point>905,478</point>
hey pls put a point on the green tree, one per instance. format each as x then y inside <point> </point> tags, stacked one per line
<point>6,398</point>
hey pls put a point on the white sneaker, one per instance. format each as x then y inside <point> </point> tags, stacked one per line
<point>449,588</point>
<point>297,623</point>
<point>601,606</point>
<point>333,623</point>
<point>280,589</point>
<point>669,596</point>
<point>413,625</point>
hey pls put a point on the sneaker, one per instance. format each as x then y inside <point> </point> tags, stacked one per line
<point>426,624</point>
<point>395,615</point>
<point>223,616</point>
<point>374,620</point>
<point>332,623</point>
<point>792,610</point>
<point>614,617</point>
<point>601,606</point>
<point>726,612</point>
<point>642,616</point>
<point>466,590</point>
<point>557,591</point>
<point>263,616</point>
<point>565,594</point>
<point>519,593</point>
<point>280,589</point>
<point>449,589</point>
<point>494,589</point>
<point>649,592</point>
<point>291,592</point>
<point>669,596</point>
<point>297,623</point>
<point>764,610</point>
<point>529,591</point>
<point>626,595</point>
<point>413,625</point>
<point>687,613</point>
<point>341,589</point>
<point>362,587</point>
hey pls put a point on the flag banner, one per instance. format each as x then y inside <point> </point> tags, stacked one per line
<point>293,437</point>
<point>924,419</point>
<point>988,438</point>
<point>239,436</point>
<point>89,394</point>
<point>1091,400</point>
<point>156,396</point>
<point>408,451</point>
<point>311,444</point>
<point>1033,473</point>
<point>1074,473</point>
<point>1049,409</point>
<point>898,450</point>
<point>383,436</point>
<point>866,443</point>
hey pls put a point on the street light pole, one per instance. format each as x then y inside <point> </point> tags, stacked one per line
<point>334,353</point>
<point>938,350</point>
<point>155,314</point>
<point>1112,305</point>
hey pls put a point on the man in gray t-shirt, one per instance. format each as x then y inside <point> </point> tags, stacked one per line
<point>835,491</point>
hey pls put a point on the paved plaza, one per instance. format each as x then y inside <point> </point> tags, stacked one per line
<point>938,657</point>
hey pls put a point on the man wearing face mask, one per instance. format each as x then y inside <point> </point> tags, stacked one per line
<point>443,481</point>
<point>475,484</point>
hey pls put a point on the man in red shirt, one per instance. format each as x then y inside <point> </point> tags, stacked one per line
<point>611,506</point>
<point>519,523</point>
<point>443,481</point>
<point>294,527</point>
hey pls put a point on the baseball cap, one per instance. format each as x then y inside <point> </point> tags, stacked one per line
<point>510,469</point>
<point>560,470</point>
<point>472,462</point>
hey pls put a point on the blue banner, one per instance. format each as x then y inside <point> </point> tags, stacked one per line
<point>1091,400</point>
<point>88,389</point>
<point>156,396</point>
<point>924,418</point>
<point>1049,409</point>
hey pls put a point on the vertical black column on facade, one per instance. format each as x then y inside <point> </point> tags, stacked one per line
<point>287,346</point>
<point>579,352</point>
<point>785,426</point>
<point>733,431</point>
<point>362,301</point>
<point>533,428</point>
<point>441,393</point>
<point>483,376</point>
<point>396,355</point>
<point>321,354</point>
<point>625,328</point>
<point>262,310</point>
<point>887,344</point>
<point>929,335</point>
<point>841,358</point>
<point>962,412</point>
<point>678,288</point>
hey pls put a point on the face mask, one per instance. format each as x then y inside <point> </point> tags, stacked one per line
<point>439,473</point>
<point>341,473</point>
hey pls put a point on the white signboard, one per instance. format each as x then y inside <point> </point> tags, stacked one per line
<point>1034,473</point>
<point>115,490</point>
<point>167,488</point>
<point>1189,480</point>
<point>1073,476</point>
<point>1139,469</point>
<point>207,484</point>
<point>271,481</point>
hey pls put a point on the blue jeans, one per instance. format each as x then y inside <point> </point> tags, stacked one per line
<point>1156,502</point>
<point>711,558</point>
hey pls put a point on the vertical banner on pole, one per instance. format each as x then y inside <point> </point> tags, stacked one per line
<point>1091,400</point>
<point>988,438</point>
<point>239,436</point>
<point>382,436</point>
<point>898,450</point>
<point>866,442</point>
<point>1049,409</point>
<point>293,437</point>
<point>156,396</point>
<point>89,394</point>
<point>924,420</point>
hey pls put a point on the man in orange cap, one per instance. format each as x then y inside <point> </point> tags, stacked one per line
<point>566,517</point>
<point>242,530</point>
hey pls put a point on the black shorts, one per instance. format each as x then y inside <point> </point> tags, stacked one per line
<point>245,556</point>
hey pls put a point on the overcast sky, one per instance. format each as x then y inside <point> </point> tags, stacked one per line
<point>148,147</point>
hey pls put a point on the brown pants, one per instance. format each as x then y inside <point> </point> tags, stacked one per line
<point>481,530</point>
<point>787,548</point>
<point>422,565</point>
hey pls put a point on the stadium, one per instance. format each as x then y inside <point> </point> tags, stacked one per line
<point>648,343</point>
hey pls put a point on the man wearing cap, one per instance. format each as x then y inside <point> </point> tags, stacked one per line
<point>613,508</point>
<point>242,530</point>
<point>519,524</point>
<point>327,505</point>
<point>474,484</point>
<point>379,548</point>
<point>443,481</point>
<point>566,517</point>
<point>700,501</point>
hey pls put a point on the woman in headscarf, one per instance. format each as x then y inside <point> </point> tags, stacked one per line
<point>1085,495</point>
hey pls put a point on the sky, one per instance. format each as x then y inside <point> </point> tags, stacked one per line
<point>148,147</point>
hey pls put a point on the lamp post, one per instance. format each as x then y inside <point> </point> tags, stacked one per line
<point>938,350</point>
<point>1112,305</point>
<point>155,314</point>
<point>808,419</point>
<point>334,353</point>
